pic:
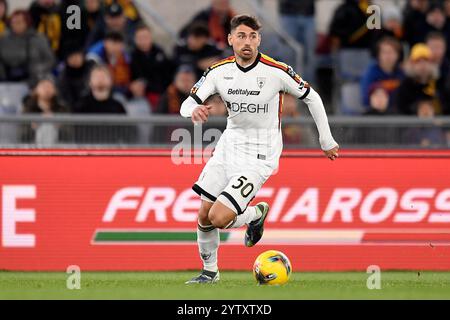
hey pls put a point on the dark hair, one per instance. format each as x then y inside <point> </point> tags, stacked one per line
<point>185,68</point>
<point>389,40</point>
<point>198,29</point>
<point>422,101</point>
<point>435,35</point>
<point>243,19</point>
<point>435,5</point>
<point>142,26</point>
<point>114,10</point>
<point>114,36</point>
<point>30,105</point>
<point>30,102</point>
<point>24,13</point>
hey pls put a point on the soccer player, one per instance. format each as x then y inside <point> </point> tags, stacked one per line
<point>252,86</point>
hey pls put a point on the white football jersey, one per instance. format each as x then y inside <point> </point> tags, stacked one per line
<point>254,100</point>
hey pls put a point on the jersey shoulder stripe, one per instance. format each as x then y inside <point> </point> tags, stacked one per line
<point>220,63</point>
<point>230,59</point>
<point>265,59</point>
<point>216,65</point>
<point>273,63</point>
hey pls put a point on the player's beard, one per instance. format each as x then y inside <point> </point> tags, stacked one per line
<point>247,56</point>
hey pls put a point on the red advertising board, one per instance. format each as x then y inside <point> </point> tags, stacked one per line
<point>135,210</point>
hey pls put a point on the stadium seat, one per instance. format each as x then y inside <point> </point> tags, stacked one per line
<point>11,96</point>
<point>350,99</point>
<point>138,108</point>
<point>352,63</point>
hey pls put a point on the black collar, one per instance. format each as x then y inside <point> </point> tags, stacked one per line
<point>247,69</point>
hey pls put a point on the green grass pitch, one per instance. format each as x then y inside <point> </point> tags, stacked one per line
<point>233,285</point>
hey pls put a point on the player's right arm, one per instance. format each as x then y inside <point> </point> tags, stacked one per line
<point>193,106</point>
<point>197,112</point>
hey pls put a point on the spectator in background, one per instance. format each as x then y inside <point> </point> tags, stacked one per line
<point>114,21</point>
<point>386,71</point>
<point>424,136</point>
<point>294,134</point>
<point>445,98</point>
<point>348,27</point>
<point>437,21</point>
<point>178,91</point>
<point>423,17</point>
<point>3,16</point>
<point>379,106</point>
<point>151,70</point>
<point>297,18</point>
<point>196,50</point>
<point>291,132</point>
<point>46,18</point>
<point>414,22</point>
<point>43,100</point>
<point>94,13</point>
<point>438,46</point>
<point>24,54</point>
<point>391,25</point>
<point>420,81</point>
<point>73,79</point>
<point>378,102</point>
<point>111,52</point>
<point>217,18</point>
<point>129,9</point>
<point>447,8</point>
<point>100,99</point>
<point>72,38</point>
<point>175,94</point>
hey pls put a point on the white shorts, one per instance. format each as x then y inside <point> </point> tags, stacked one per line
<point>234,186</point>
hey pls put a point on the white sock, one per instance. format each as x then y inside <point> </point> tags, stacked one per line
<point>249,215</point>
<point>208,240</point>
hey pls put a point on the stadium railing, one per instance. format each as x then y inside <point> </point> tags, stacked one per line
<point>61,131</point>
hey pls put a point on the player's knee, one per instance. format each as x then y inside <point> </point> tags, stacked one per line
<point>203,217</point>
<point>203,214</point>
<point>218,220</point>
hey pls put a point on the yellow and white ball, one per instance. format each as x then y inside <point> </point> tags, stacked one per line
<point>272,268</point>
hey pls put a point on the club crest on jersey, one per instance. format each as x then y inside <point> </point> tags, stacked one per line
<point>261,82</point>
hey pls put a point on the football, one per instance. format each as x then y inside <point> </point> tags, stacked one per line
<point>272,268</point>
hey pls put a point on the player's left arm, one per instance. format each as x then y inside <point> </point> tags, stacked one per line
<point>293,84</point>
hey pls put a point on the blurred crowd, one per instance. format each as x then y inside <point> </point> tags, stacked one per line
<point>111,61</point>
<point>112,64</point>
<point>400,67</point>
<point>410,64</point>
